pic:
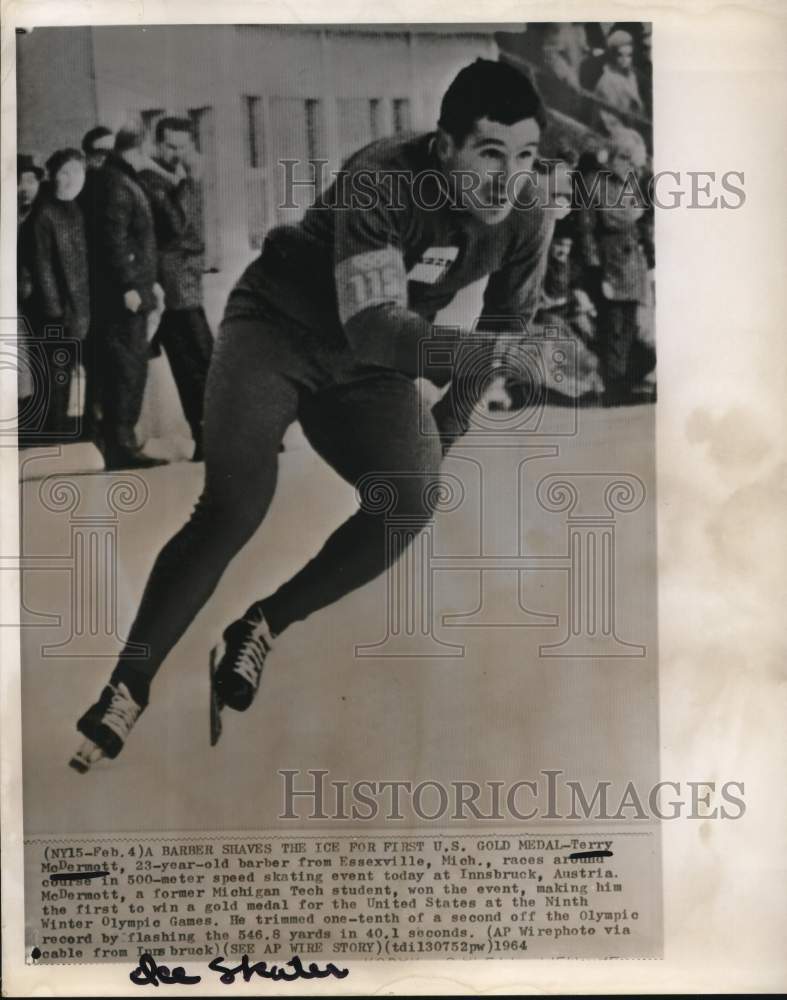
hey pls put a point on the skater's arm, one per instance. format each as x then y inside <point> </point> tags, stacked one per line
<point>371,286</point>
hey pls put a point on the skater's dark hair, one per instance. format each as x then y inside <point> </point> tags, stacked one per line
<point>487,89</point>
<point>173,124</point>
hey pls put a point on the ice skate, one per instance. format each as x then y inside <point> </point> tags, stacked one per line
<point>106,726</point>
<point>236,668</point>
<point>86,756</point>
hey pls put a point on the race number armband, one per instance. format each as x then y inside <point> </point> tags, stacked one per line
<point>366,280</point>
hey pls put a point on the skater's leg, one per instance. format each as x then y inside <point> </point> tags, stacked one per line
<point>248,408</point>
<point>371,433</point>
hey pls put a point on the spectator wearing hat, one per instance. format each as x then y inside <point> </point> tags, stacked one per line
<point>617,85</point>
<point>641,34</point>
<point>53,248</point>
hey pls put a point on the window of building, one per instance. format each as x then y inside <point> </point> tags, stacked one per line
<point>360,121</point>
<point>253,118</point>
<point>401,115</point>
<point>315,129</point>
<point>375,123</point>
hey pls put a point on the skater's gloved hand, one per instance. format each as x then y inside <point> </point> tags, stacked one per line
<point>132,300</point>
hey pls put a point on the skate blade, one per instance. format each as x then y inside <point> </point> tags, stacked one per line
<point>216,703</point>
<point>86,756</point>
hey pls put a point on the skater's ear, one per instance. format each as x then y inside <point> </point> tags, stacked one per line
<point>444,145</point>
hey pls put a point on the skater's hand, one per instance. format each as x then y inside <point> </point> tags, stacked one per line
<point>607,290</point>
<point>132,300</point>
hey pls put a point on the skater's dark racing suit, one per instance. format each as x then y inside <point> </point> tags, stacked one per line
<point>324,328</point>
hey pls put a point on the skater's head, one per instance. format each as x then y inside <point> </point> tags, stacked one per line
<point>490,124</point>
<point>174,139</point>
<point>66,169</point>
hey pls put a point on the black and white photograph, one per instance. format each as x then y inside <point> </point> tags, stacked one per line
<point>339,572</point>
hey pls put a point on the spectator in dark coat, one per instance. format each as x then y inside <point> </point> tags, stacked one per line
<point>28,182</point>
<point>125,272</point>
<point>97,144</point>
<point>53,249</point>
<point>175,193</point>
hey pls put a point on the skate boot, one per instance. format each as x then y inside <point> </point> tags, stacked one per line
<point>106,726</point>
<point>237,662</point>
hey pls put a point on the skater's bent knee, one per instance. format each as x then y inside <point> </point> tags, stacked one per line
<point>231,514</point>
<point>401,494</point>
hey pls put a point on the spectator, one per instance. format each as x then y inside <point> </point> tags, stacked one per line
<point>125,273</point>
<point>593,64</point>
<point>563,49</point>
<point>54,249</point>
<point>565,311</point>
<point>559,54</point>
<point>96,144</point>
<point>28,180</point>
<point>175,192</point>
<point>610,236</point>
<point>618,86</point>
<point>641,33</point>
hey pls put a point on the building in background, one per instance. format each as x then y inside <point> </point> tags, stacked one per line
<point>257,95</point>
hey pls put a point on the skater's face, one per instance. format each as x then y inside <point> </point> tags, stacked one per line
<point>488,170</point>
<point>69,180</point>
<point>173,147</point>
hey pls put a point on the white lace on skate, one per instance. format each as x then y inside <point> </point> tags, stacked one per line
<point>122,712</point>
<point>250,658</point>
